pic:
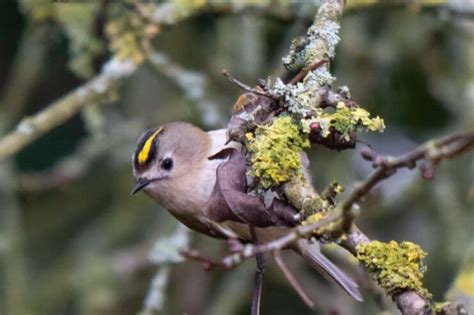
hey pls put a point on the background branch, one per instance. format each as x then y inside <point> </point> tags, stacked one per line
<point>31,128</point>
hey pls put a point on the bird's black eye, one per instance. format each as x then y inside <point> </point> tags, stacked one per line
<point>167,164</point>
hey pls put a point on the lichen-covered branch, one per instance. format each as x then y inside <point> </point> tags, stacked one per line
<point>408,300</point>
<point>66,107</point>
<point>318,44</point>
<point>273,156</point>
<point>89,151</point>
<point>355,236</point>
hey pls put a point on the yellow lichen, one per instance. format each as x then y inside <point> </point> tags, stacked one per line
<point>441,307</point>
<point>396,267</point>
<point>275,152</point>
<point>129,34</point>
<point>344,120</point>
<point>313,218</point>
<point>338,188</point>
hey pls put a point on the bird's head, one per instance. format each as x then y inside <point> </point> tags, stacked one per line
<point>168,155</point>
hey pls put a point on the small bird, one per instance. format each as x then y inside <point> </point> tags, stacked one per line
<point>172,165</point>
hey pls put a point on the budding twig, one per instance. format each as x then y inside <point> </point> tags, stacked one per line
<point>446,147</point>
<point>247,88</point>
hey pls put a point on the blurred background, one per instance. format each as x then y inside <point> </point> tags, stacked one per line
<point>73,241</point>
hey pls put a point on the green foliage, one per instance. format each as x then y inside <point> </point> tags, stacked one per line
<point>275,152</point>
<point>396,267</point>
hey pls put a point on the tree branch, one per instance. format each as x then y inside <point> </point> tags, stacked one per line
<point>408,302</point>
<point>30,128</point>
<point>433,151</point>
<point>247,88</point>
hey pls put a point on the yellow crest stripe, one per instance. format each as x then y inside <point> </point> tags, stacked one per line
<point>145,152</point>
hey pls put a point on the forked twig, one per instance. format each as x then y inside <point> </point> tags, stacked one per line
<point>247,88</point>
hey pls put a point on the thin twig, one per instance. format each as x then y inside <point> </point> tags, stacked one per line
<point>209,263</point>
<point>292,280</point>
<point>247,88</point>
<point>31,128</point>
<point>257,290</point>
<point>304,71</point>
<point>248,251</point>
<point>446,147</point>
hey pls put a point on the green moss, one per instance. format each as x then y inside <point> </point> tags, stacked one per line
<point>275,152</point>
<point>396,267</point>
<point>315,208</point>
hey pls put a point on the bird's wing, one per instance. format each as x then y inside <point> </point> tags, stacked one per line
<point>230,200</point>
<point>235,209</point>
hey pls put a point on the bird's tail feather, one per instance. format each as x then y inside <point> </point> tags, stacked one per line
<point>312,253</point>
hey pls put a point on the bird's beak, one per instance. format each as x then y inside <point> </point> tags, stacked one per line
<point>139,185</point>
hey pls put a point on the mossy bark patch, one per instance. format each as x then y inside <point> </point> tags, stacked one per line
<point>345,120</point>
<point>275,152</point>
<point>396,267</point>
